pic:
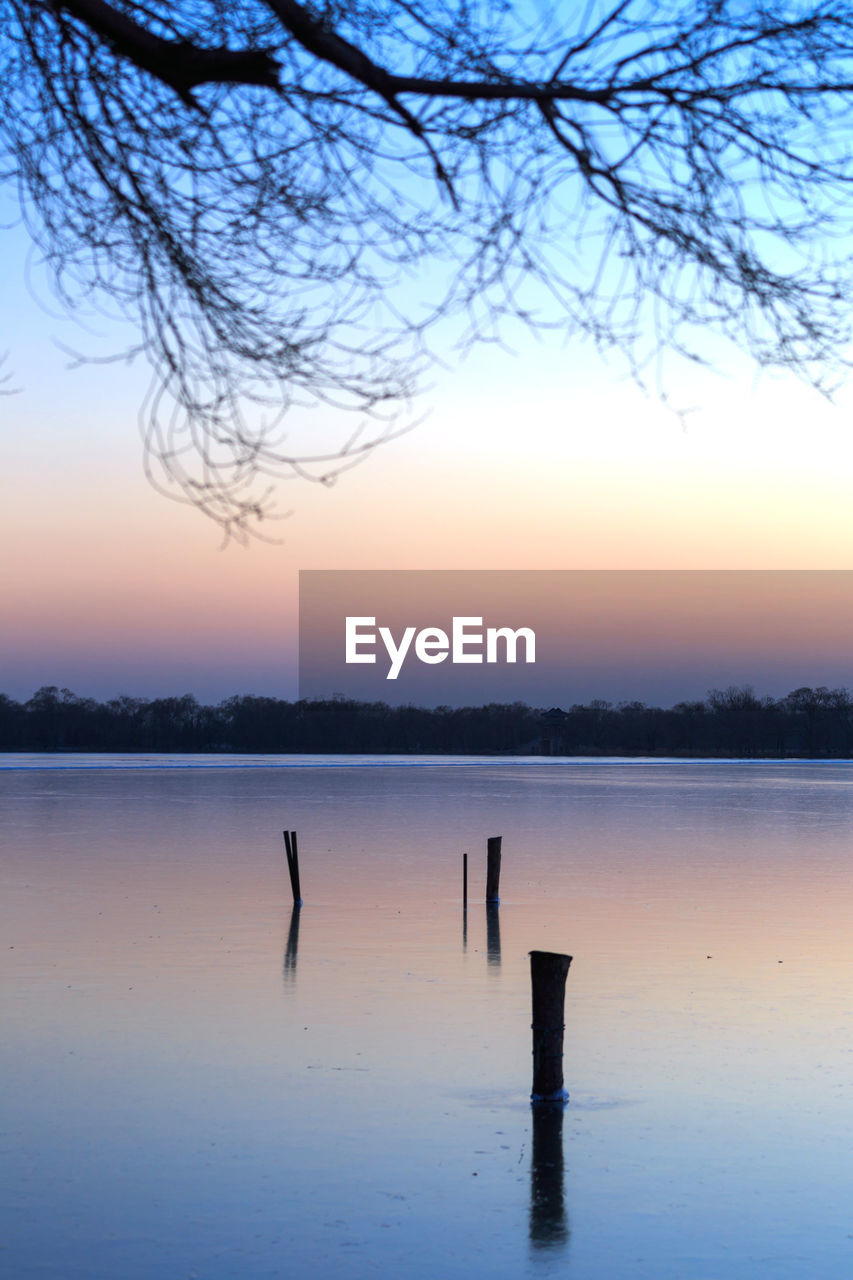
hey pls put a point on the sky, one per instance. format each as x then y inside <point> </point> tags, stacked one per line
<point>436,638</point>
<point>539,457</point>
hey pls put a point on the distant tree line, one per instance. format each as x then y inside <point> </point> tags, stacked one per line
<point>808,722</point>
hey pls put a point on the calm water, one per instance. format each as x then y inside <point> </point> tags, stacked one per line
<point>198,1083</point>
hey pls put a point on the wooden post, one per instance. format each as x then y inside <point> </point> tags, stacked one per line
<point>292,852</point>
<point>465,881</point>
<point>493,869</point>
<point>548,972</point>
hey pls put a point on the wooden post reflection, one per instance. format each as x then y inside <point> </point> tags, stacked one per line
<point>292,947</point>
<point>493,934</point>
<point>549,1223</point>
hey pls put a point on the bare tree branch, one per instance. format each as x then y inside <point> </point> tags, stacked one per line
<point>261,187</point>
<point>181,65</point>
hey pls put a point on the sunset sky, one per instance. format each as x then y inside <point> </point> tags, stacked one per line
<point>545,458</point>
<point>436,638</point>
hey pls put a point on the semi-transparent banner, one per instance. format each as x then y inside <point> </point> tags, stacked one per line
<point>463,638</point>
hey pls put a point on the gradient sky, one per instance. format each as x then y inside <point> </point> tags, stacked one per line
<point>542,459</point>
<point>655,636</point>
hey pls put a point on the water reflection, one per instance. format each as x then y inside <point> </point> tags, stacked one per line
<point>549,1224</point>
<point>493,934</point>
<point>464,928</point>
<point>292,947</point>
<point>143,964</point>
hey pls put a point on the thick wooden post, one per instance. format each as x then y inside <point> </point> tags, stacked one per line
<point>548,972</point>
<point>292,852</point>
<point>493,869</point>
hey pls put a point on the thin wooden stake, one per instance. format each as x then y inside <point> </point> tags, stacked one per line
<point>465,881</point>
<point>292,852</point>
<point>297,892</point>
<point>548,972</point>
<point>493,869</point>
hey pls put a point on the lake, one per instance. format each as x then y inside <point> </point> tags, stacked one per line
<point>201,1083</point>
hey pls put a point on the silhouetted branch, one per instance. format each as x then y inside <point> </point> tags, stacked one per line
<point>262,189</point>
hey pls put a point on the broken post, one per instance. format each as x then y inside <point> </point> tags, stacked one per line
<point>493,869</point>
<point>292,852</point>
<point>548,971</point>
